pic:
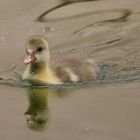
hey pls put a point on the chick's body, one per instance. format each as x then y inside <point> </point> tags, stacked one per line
<point>38,65</point>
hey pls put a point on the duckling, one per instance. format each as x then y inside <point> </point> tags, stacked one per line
<point>38,67</point>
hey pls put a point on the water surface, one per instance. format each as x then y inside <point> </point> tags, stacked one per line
<point>104,30</point>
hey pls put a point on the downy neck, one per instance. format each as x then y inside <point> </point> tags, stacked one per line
<point>36,68</point>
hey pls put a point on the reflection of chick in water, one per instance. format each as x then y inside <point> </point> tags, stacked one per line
<point>37,112</point>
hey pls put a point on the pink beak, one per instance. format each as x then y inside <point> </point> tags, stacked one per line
<point>29,57</point>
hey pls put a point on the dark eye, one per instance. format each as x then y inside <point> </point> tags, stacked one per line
<point>39,49</point>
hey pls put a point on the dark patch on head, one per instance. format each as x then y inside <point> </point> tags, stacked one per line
<point>35,42</point>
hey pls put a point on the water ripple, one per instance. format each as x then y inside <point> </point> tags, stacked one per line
<point>106,75</point>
